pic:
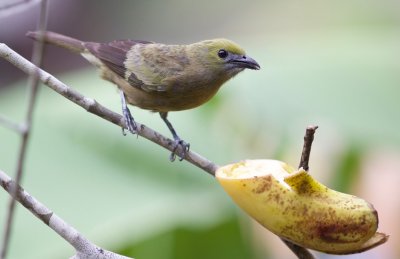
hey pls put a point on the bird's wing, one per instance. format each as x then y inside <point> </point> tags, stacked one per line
<point>157,67</point>
<point>114,55</point>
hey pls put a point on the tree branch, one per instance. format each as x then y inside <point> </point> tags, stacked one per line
<point>84,248</point>
<point>7,123</point>
<point>305,154</point>
<point>93,107</point>
<point>8,8</point>
<point>301,252</point>
<point>33,83</point>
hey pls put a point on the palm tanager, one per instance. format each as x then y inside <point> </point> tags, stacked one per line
<point>160,77</point>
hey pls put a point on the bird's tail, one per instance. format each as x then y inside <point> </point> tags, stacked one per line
<point>59,40</point>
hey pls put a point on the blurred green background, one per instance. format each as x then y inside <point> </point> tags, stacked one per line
<point>335,64</point>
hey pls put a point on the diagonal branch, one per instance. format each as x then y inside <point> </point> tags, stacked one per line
<point>84,248</point>
<point>94,107</point>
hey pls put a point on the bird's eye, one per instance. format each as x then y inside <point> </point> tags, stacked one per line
<point>222,53</point>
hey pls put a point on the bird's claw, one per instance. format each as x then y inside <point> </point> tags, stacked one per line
<point>129,122</point>
<point>184,150</point>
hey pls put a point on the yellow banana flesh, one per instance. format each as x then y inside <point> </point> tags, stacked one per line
<point>294,206</point>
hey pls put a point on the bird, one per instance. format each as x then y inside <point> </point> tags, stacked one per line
<point>160,77</point>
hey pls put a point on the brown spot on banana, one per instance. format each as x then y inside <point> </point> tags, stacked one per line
<point>294,206</point>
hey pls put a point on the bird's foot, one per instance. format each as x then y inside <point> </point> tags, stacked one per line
<point>129,121</point>
<point>183,150</point>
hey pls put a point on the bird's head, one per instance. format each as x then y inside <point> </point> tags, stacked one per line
<point>225,56</point>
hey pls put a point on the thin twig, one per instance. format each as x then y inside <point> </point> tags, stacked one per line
<point>94,107</point>
<point>305,154</point>
<point>7,123</point>
<point>84,248</point>
<point>33,82</point>
<point>301,252</point>
<point>14,4</point>
<point>11,8</point>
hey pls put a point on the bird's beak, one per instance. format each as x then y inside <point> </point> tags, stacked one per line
<point>243,61</point>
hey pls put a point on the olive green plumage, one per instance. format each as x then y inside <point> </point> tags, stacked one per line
<point>161,77</point>
<point>179,77</point>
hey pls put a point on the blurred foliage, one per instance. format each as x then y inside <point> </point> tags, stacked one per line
<point>334,64</point>
<point>348,169</point>
<point>222,241</point>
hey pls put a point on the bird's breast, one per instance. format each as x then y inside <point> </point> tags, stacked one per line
<point>176,98</point>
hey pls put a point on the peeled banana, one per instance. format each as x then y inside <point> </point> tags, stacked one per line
<point>294,206</point>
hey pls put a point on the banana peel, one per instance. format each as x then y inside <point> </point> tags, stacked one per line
<point>296,207</point>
